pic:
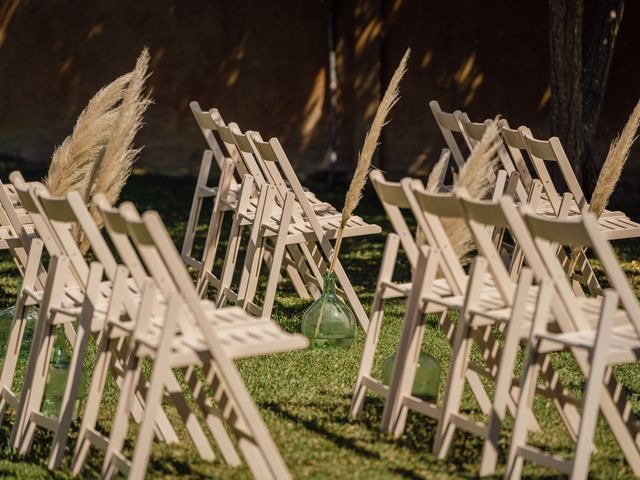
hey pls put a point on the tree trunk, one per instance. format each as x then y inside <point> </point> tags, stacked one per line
<point>565,31</point>
<point>600,34</point>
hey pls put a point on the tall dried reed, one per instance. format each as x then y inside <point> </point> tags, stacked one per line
<point>354,194</point>
<point>610,172</point>
<point>434,180</point>
<point>73,161</point>
<point>614,163</point>
<point>477,176</point>
<point>112,171</point>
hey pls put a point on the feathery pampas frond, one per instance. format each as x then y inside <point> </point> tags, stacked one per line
<point>477,176</point>
<point>354,194</point>
<point>610,173</point>
<point>74,159</point>
<point>437,173</point>
<point>614,163</point>
<point>111,173</point>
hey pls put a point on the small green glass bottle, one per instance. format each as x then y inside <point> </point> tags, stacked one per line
<point>6,319</point>
<point>427,379</point>
<point>57,377</point>
<point>329,322</point>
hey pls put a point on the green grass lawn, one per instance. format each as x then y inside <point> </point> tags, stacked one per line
<point>304,396</point>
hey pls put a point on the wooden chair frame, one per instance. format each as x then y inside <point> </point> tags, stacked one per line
<point>576,316</point>
<point>198,335</point>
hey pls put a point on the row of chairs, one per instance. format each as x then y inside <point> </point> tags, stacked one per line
<point>522,290</point>
<point>290,229</point>
<point>137,303</point>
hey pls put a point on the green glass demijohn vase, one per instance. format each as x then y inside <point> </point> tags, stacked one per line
<point>329,322</point>
<point>6,320</point>
<point>427,379</point>
<point>57,379</point>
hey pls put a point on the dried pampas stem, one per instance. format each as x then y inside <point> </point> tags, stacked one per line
<point>610,172</point>
<point>74,159</point>
<point>354,194</point>
<point>614,163</point>
<point>112,172</point>
<point>477,176</point>
<point>437,173</point>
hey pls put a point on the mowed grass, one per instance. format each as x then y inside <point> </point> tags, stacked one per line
<point>304,396</point>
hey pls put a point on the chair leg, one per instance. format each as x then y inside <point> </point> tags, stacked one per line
<point>196,205</point>
<point>403,373</point>
<point>160,377</point>
<point>14,342</point>
<point>278,255</point>
<point>251,267</point>
<point>525,409</point>
<point>189,419</point>
<point>75,367</point>
<point>366,361</point>
<point>41,350</point>
<point>90,417</point>
<point>213,421</point>
<point>120,423</point>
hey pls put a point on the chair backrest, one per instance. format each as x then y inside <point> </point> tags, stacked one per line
<point>480,214</point>
<point>583,231</point>
<point>17,229</point>
<point>284,178</point>
<point>515,147</point>
<point>209,122</point>
<point>449,126</point>
<point>29,201</point>
<point>243,145</point>
<point>119,235</point>
<point>65,213</point>
<point>474,132</point>
<point>151,257</point>
<point>430,209</point>
<point>551,150</point>
<point>394,200</point>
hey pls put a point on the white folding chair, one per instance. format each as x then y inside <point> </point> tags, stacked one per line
<point>510,308</point>
<point>193,333</point>
<point>394,201</point>
<point>309,229</point>
<point>65,298</point>
<point>600,332</point>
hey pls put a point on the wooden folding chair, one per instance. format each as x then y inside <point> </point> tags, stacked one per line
<point>194,333</point>
<point>438,285</point>
<point>65,298</point>
<point>234,169</point>
<point>600,332</point>
<point>510,308</point>
<point>450,127</point>
<point>394,201</point>
<point>18,236</point>
<point>207,123</point>
<point>114,331</point>
<point>308,229</point>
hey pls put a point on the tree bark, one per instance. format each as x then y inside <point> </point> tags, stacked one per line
<point>565,32</point>
<point>600,33</point>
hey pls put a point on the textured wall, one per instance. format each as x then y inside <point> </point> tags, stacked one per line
<point>263,64</point>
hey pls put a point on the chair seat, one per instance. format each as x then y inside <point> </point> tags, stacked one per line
<point>615,225</point>
<point>623,345</point>
<point>240,334</point>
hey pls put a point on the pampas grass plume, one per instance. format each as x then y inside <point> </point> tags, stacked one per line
<point>359,180</point>
<point>74,159</point>
<point>614,163</point>
<point>477,176</point>
<point>112,172</point>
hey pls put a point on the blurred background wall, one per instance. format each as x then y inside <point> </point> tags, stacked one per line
<point>265,65</point>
